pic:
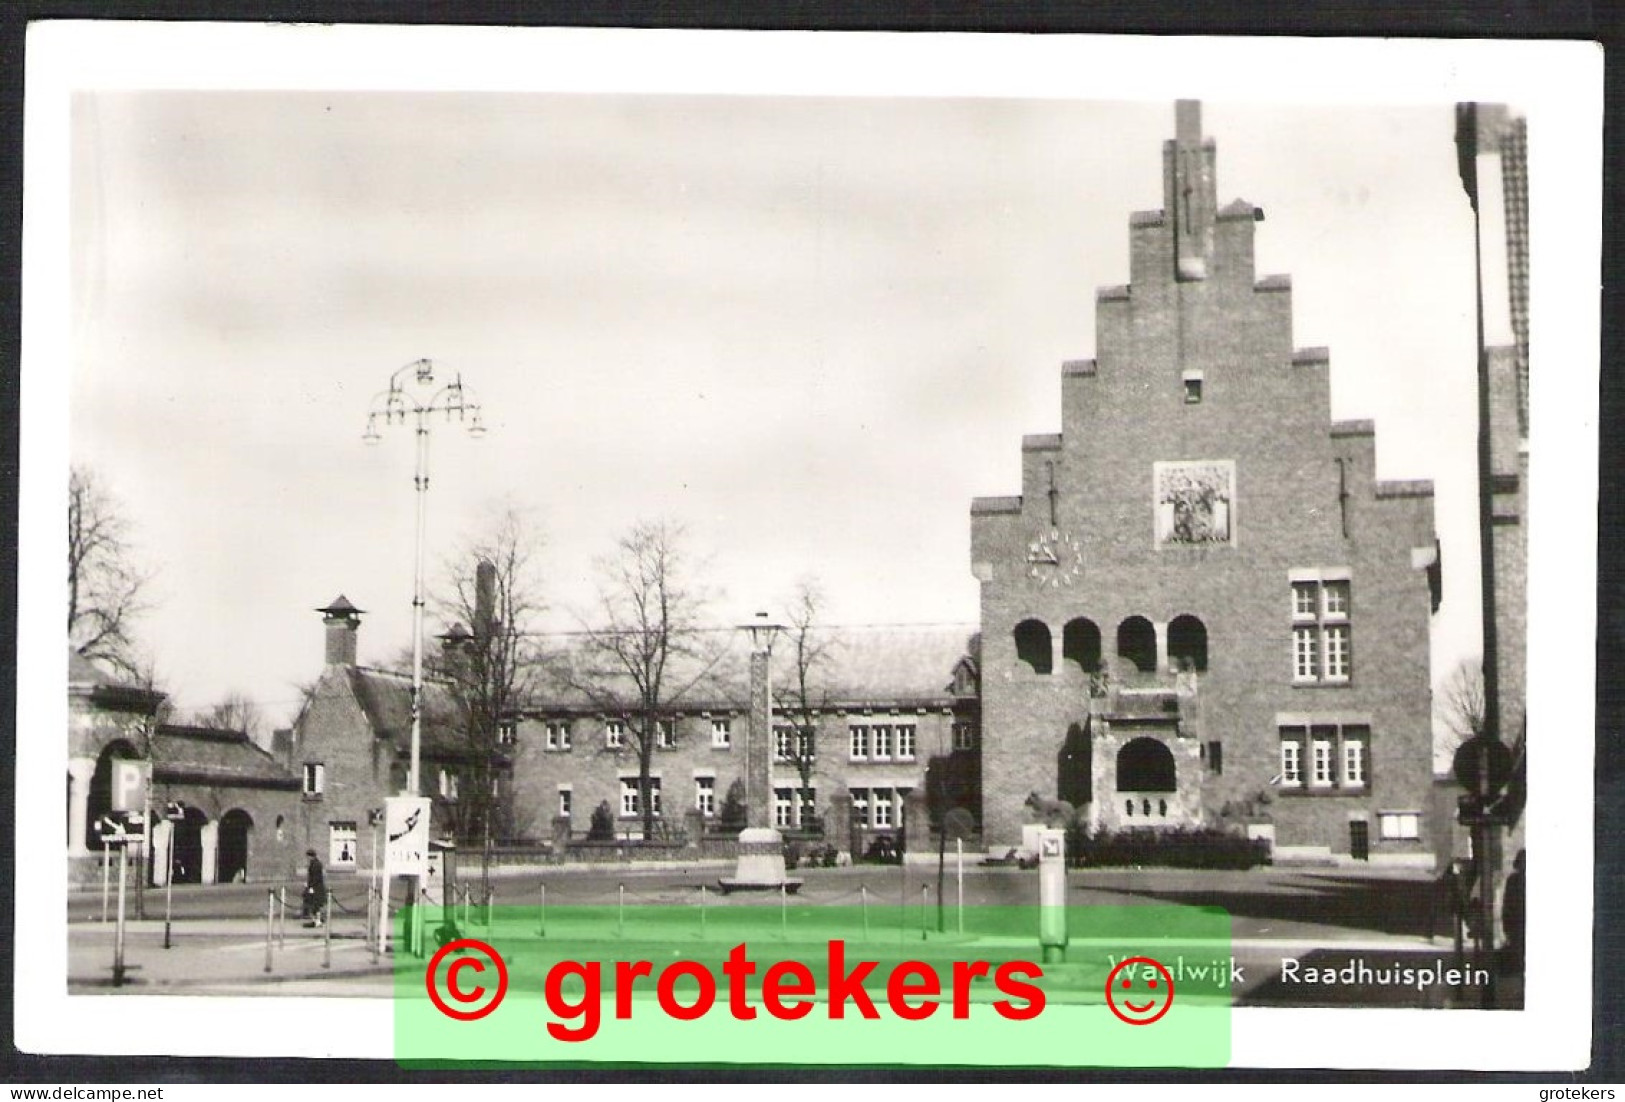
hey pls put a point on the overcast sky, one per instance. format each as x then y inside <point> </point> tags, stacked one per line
<point>811,330</point>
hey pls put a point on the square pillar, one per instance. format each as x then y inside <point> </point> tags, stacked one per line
<point>80,770</point>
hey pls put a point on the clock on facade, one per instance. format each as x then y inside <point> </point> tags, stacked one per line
<point>1054,558</point>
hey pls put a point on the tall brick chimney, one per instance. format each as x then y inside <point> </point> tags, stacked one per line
<point>342,620</point>
<point>485,600</point>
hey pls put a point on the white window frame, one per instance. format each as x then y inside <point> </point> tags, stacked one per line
<point>705,796</point>
<point>860,806</point>
<point>557,735</point>
<point>784,807</point>
<point>338,832</point>
<point>721,734</point>
<point>881,742</point>
<point>907,735</point>
<point>858,742</point>
<point>566,802</point>
<point>313,779</point>
<point>1322,761</point>
<point>880,808</point>
<point>1322,635</point>
<point>1305,653</point>
<point>666,734</point>
<point>1353,763</point>
<point>1399,826</point>
<point>507,733</point>
<point>630,797</point>
<point>783,741</point>
<point>615,734</point>
<point>1291,762</point>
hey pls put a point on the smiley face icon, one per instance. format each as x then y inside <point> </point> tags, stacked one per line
<point>1135,994</point>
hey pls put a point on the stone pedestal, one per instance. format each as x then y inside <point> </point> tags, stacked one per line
<point>761,863</point>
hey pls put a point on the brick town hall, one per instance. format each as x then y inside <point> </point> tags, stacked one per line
<point>1204,609</point>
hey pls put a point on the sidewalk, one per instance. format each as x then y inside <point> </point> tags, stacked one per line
<point>212,952</point>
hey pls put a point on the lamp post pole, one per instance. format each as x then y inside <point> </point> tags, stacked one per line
<point>392,407</point>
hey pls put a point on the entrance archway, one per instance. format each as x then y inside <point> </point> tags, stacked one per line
<point>1145,765</point>
<point>236,826</point>
<point>101,788</point>
<point>188,842</point>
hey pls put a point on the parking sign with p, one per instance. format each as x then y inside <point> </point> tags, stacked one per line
<point>129,785</point>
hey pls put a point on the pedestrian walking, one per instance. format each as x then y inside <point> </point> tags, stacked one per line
<point>315,902</point>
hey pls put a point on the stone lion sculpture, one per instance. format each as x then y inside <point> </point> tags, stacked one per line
<point>1056,814</point>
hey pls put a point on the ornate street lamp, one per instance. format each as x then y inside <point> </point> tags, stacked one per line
<point>415,394</point>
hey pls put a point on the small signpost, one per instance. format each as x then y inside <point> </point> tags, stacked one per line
<point>1052,895</point>
<point>174,815</point>
<point>120,830</point>
<point>406,853</point>
<point>957,824</point>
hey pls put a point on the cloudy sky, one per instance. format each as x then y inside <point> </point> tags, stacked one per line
<point>809,329</point>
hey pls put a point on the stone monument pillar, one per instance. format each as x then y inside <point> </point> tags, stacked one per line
<point>761,848</point>
<point>759,745</point>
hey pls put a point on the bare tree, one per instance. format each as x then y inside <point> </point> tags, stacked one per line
<point>105,582</point>
<point>1460,701</point>
<point>805,696</point>
<point>643,649</point>
<point>235,712</point>
<point>496,590</point>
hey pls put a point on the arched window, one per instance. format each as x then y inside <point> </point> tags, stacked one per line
<point>1187,643</point>
<point>1137,642</point>
<point>1080,643</point>
<point>1033,645</point>
<point>1145,765</point>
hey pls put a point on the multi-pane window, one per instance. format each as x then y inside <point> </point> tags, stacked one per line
<point>1394,826</point>
<point>507,733</point>
<point>1321,760</point>
<point>905,742</point>
<point>615,734</point>
<point>1291,763</point>
<point>792,743</point>
<point>783,807</point>
<point>964,736</point>
<point>315,778</point>
<point>631,805</point>
<point>721,734</point>
<point>666,733</point>
<point>882,740</point>
<point>1353,763</point>
<point>870,807</point>
<point>705,795</point>
<point>1321,647</point>
<point>1328,756</point>
<point>894,741</point>
<point>448,785</point>
<point>556,735</point>
<point>564,803</point>
<point>881,806</point>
